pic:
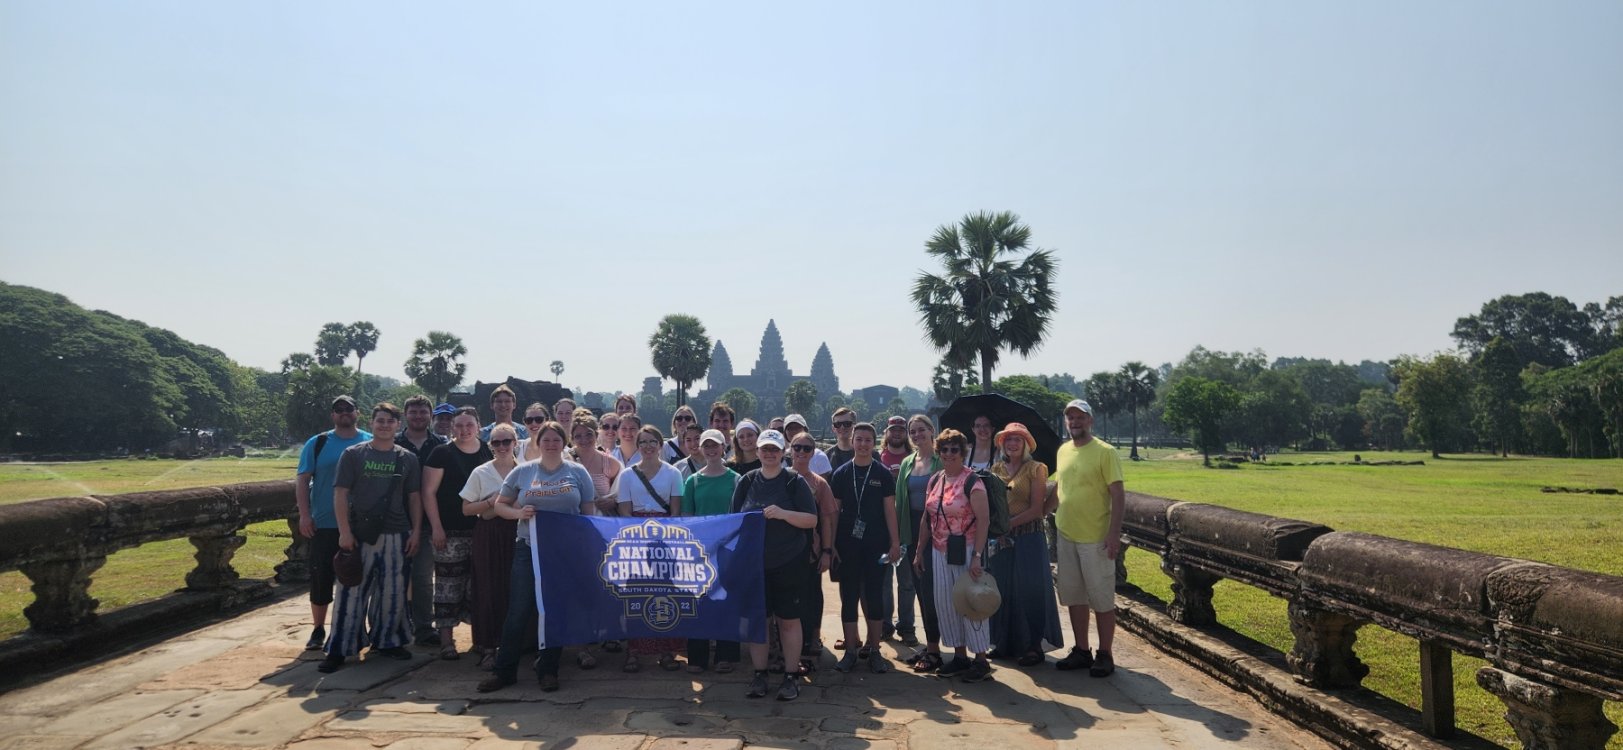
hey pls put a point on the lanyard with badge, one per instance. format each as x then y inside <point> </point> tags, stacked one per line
<point>861,526</point>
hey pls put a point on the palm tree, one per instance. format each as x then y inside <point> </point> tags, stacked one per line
<point>988,298</point>
<point>332,344</point>
<point>362,337</point>
<point>1137,384</point>
<point>681,351</point>
<point>436,363</point>
<point>1104,394</point>
<point>557,368</point>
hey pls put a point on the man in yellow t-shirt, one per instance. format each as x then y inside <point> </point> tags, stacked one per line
<point>1091,505</point>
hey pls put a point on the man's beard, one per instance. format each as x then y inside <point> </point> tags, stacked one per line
<point>896,446</point>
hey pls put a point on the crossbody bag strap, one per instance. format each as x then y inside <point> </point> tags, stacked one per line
<point>651,490</point>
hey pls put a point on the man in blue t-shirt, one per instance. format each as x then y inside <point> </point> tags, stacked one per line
<point>318,467</point>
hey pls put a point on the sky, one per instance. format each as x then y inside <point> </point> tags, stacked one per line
<point>546,181</point>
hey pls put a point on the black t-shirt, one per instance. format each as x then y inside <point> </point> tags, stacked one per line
<point>861,491</point>
<point>430,442</point>
<point>745,467</point>
<point>458,466</point>
<point>838,456</point>
<point>787,491</point>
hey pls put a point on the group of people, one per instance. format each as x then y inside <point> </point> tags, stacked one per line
<point>427,517</point>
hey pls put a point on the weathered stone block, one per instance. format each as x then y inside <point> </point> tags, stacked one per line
<point>1561,625</point>
<point>1547,717</point>
<point>1429,592</point>
<point>1249,547</point>
<point>1145,521</point>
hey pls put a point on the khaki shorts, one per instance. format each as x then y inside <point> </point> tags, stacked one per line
<point>1086,577</point>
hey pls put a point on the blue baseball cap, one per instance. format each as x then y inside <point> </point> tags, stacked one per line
<point>444,409</point>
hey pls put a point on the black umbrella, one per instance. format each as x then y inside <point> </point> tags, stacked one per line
<point>1002,410</point>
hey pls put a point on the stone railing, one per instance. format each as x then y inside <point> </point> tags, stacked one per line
<point>1552,636</point>
<point>59,544</point>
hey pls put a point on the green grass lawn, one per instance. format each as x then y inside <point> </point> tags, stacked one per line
<point>1472,502</point>
<point>140,573</point>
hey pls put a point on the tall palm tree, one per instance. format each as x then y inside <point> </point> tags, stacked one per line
<point>1137,384</point>
<point>681,351</point>
<point>988,298</point>
<point>363,340</point>
<point>436,363</point>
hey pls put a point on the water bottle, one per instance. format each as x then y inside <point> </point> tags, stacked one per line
<point>885,558</point>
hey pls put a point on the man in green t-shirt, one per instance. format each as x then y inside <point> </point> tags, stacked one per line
<point>1092,503</point>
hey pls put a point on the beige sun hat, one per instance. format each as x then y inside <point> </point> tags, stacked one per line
<point>976,599</point>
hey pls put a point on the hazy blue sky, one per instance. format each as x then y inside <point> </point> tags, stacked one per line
<point>1314,179</point>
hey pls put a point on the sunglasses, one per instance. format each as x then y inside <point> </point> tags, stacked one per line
<point>534,420</point>
<point>682,418</point>
<point>950,450</point>
<point>343,410</point>
<point>643,443</point>
<point>804,448</point>
<point>843,425</point>
<point>611,425</point>
<point>502,443</point>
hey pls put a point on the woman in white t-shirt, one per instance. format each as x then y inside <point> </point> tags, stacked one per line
<point>651,488</point>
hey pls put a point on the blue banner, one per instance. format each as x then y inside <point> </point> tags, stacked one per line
<point>601,579</point>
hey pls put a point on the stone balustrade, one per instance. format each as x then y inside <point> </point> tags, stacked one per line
<point>59,544</point>
<point>1552,636</point>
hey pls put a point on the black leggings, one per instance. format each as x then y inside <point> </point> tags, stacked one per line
<point>862,578</point>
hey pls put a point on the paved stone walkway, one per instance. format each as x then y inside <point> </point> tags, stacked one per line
<point>248,683</point>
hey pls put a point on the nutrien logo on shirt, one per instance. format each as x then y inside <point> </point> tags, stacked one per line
<point>658,571</point>
<point>370,468</point>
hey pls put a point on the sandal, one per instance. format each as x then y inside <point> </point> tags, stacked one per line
<point>929,661</point>
<point>1031,659</point>
<point>448,652</point>
<point>695,668</point>
<point>612,647</point>
<point>488,661</point>
<point>631,665</point>
<point>669,663</point>
<point>585,660</point>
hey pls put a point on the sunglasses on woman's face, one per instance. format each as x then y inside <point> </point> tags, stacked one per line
<point>951,450</point>
<point>502,443</point>
<point>682,418</point>
<point>803,448</point>
<point>534,420</point>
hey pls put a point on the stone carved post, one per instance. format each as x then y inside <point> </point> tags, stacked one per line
<point>296,568</point>
<point>1323,656</point>
<point>1547,717</point>
<point>215,549</point>
<point>1191,594</point>
<point>62,600</point>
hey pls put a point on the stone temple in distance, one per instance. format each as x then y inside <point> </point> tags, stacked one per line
<point>770,376</point>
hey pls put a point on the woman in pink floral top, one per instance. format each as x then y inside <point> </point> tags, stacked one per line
<point>955,505</point>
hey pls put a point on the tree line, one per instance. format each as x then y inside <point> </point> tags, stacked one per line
<point>1534,374</point>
